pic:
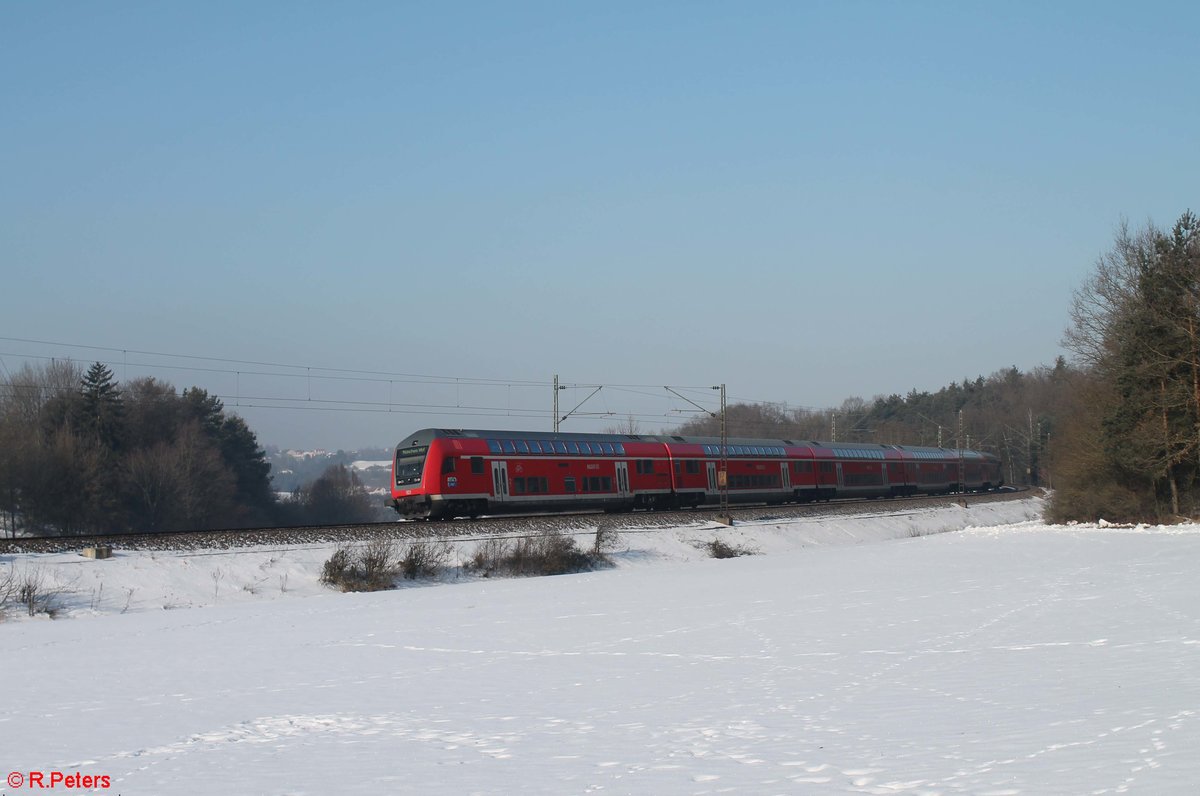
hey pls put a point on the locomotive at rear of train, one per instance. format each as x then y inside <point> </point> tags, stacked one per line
<point>442,473</point>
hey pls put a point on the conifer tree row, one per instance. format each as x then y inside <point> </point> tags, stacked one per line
<point>80,455</point>
<point>1132,448</point>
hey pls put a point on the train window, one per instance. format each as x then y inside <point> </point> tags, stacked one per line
<point>509,447</point>
<point>572,447</point>
<point>608,448</point>
<point>619,448</point>
<point>494,445</point>
<point>477,464</point>
<point>522,447</point>
<point>569,484</point>
<point>560,446</point>
<point>448,464</point>
<point>534,447</point>
<point>692,466</point>
<point>518,486</point>
<point>678,467</point>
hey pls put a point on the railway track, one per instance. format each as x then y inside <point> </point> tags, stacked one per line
<point>467,530</point>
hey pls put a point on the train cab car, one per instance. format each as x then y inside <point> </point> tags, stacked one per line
<point>439,473</point>
<point>436,472</point>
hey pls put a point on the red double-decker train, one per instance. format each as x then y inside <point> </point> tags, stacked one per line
<point>443,473</point>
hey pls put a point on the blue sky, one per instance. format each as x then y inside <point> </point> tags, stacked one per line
<point>804,200</point>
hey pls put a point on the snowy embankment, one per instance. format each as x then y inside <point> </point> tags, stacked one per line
<point>850,658</point>
<point>134,581</point>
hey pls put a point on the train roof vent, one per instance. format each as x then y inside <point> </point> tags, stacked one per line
<point>678,439</point>
<point>633,436</point>
<point>452,432</point>
<point>788,442</point>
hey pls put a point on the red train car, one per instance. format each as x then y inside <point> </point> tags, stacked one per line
<point>455,472</point>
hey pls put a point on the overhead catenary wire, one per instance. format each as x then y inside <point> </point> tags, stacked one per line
<point>242,370</point>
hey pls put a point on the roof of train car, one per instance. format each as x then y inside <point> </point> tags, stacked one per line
<point>426,434</point>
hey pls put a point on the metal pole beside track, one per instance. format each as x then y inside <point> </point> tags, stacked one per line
<point>723,475</point>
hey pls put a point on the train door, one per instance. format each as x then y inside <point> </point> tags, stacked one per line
<point>622,479</point>
<point>840,482</point>
<point>712,476</point>
<point>785,470</point>
<point>499,481</point>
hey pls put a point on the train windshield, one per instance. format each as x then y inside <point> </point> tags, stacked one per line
<point>409,463</point>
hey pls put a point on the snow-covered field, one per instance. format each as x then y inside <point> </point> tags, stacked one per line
<point>855,655</point>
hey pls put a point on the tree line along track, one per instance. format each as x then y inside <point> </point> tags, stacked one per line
<point>470,530</point>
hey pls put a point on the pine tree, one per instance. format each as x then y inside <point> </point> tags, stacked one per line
<point>101,413</point>
<point>1136,322</point>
